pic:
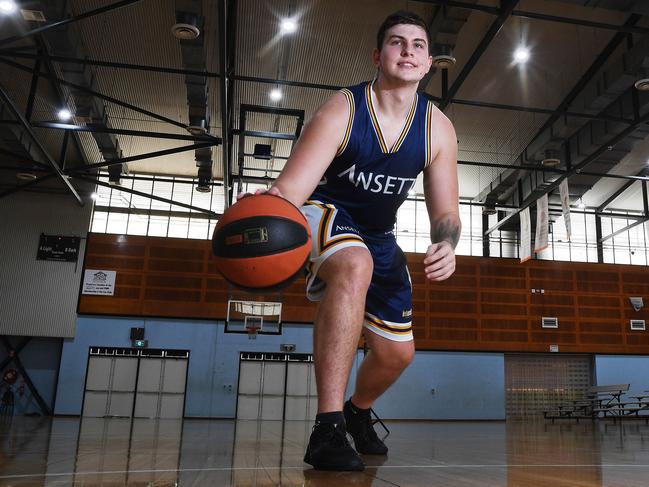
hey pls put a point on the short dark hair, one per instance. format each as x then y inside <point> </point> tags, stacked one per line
<point>401,17</point>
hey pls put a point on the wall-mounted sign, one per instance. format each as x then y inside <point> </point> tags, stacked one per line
<point>99,282</point>
<point>58,247</point>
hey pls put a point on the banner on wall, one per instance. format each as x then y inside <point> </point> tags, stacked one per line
<point>525,250</point>
<point>99,282</point>
<point>542,224</point>
<point>565,205</point>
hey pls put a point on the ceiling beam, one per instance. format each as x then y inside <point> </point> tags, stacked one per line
<point>586,78</point>
<point>599,62</point>
<point>147,195</point>
<point>109,130</point>
<point>29,184</point>
<point>543,111</point>
<point>106,64</point>
<point>102,96</point>
<point>19,116</point>
<point>617,193</point>
<point>505,11</point>
<point>141,157</point>
<point>540,16</point>
<point>574,170</point>
<point>69,20</point>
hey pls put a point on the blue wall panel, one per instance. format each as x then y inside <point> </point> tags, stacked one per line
<point>213,360</point>
<point>468,385</point>
<point>623,369</point>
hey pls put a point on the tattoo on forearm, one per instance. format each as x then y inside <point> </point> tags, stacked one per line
<point>446,229</point>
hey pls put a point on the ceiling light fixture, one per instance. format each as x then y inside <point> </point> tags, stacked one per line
<point>551,158</point>
<point>94,196</point>
<point>521,55</point>
<point>443,56</point>
<point>288,26</point>
<point>26,176</point>
<point>581,205</point>
<point>642,84</point>
<point>275,94</point>
<point>64,114</point>
<point>8,7</point>
<point>186,27</point>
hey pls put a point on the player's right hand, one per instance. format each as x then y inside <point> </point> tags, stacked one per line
<point>272,190</point>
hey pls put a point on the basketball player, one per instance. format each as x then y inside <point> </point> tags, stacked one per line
<point>350,171</point>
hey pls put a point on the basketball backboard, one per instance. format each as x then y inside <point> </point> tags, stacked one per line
<point>254,317</point>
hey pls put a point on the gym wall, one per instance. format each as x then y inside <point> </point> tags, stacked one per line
<point>489,304</point>
<point>467,385</point>
<point>37,297</point>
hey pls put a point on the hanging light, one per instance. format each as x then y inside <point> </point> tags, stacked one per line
<point>521,55</point>
<point>64,114</point>
<point>8,7</point>
<point>287,26</point>
<point>275,94</point>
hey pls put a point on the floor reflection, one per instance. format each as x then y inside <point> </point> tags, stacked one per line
<point>141,452</point>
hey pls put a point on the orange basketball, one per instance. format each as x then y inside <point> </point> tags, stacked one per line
<point>262,242</point>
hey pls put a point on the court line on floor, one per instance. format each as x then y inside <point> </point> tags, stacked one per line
<point>225,469</point>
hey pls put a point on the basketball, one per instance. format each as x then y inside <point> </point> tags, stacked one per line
<point>261,243</point>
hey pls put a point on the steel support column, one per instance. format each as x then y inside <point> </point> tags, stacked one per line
<point>486,247</point>
<point>224,98</point>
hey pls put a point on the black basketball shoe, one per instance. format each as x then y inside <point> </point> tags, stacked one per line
<point>359,425</point>
<point>329,449</point>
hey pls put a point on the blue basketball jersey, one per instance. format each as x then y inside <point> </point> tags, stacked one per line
<point>368,178</point>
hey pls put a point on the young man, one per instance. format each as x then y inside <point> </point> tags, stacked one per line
<point>355,162</point>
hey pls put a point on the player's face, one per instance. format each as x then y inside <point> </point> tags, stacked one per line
<point>404,54</point>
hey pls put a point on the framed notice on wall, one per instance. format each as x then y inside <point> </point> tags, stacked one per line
<point>58,247</point>
<point>99,282</point>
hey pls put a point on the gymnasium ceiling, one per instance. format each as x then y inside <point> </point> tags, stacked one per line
<point>131,87</point>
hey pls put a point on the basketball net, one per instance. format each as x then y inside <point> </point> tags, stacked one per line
<point>253,325</point>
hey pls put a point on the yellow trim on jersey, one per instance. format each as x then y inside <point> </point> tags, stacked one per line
<point>350,121</point>
<point>429,136</point>
<point>377,128</point>
<point>324,230</point>
<point>388,327</point>
<point>406,127</point>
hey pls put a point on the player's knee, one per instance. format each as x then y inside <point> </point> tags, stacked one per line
<point>397,358</point>
<point>352,271</point>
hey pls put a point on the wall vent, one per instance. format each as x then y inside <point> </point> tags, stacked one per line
<point>637,325</point>
<point>549,322</point>
<point>33,15</point>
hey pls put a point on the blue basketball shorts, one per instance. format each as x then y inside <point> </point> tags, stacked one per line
<point>388,306</point>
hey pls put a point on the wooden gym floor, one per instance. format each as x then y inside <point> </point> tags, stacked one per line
<point>91,452</point>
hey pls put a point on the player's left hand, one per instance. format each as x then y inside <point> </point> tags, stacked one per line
<point>439,263</point>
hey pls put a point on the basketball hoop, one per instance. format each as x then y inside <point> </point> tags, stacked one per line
<point>253,325</point>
